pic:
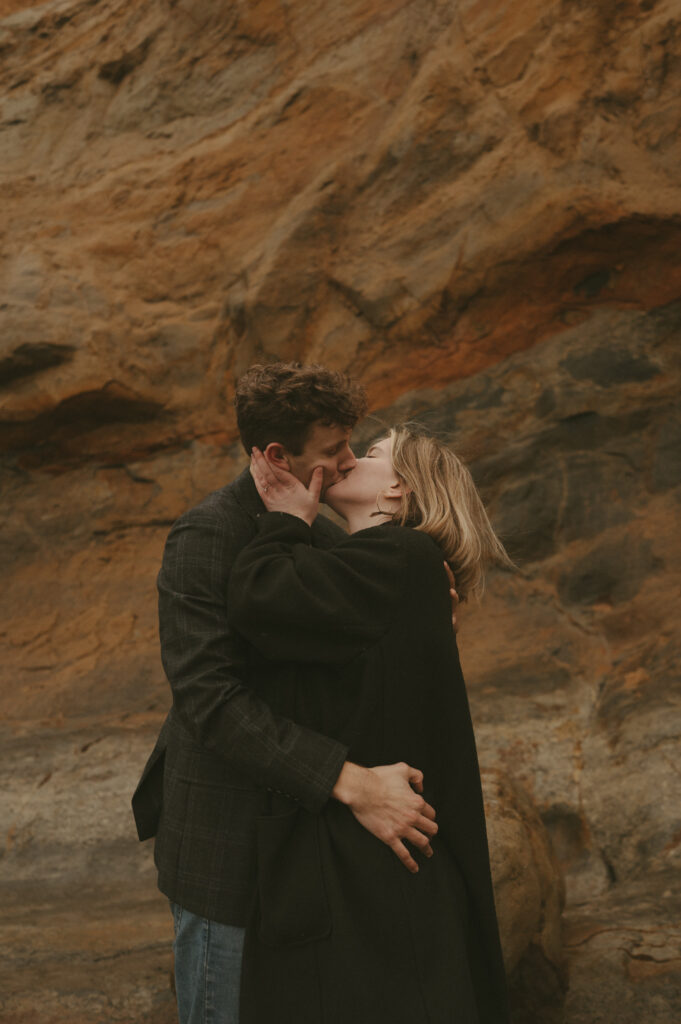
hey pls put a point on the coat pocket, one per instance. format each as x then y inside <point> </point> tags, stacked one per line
<point>293,905</point>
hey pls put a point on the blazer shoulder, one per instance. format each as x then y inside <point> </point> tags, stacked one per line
<point>220,509</point>
<point>212,532</point>
<point>216,504</point>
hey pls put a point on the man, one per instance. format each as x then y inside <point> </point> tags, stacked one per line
<point>221,748</point>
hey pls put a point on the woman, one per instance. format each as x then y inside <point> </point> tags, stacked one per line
<point>357,642</point>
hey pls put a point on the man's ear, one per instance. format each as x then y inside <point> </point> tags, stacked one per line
<point>277,455</point>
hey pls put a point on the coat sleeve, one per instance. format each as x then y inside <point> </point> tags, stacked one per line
<point>206,664</point>
<point>295,602</point>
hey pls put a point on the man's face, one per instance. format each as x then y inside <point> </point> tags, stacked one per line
<point>328,447</point>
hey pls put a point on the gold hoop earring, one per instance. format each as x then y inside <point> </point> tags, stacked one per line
<point>379,511</point>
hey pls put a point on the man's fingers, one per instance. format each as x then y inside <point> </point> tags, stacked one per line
<point>426,825</point>
<point>428,811</point>
<point>414,837</point>
<point>402,853</point>
<point>418,839</point>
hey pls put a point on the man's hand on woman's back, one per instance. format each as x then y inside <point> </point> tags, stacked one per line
<point>386,800</point>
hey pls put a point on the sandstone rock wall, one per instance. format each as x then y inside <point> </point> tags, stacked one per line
<point>473,206</point>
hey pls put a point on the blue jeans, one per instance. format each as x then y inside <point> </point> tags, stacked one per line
<point>207,968</point>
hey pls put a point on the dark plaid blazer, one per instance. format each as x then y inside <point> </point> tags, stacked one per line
<point>221,750</point>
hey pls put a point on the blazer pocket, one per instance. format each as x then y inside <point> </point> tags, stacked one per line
<point>293,905</point>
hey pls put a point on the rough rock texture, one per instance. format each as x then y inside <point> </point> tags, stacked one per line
<point>417,187</point>
<point>476,207</point>
<point>615,952</point>
<point>572,665</point>
<point>530,896</point>
<point>86,954</point>
<point>86,937</point>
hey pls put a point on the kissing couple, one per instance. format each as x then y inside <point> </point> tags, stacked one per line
<point>314,792</point>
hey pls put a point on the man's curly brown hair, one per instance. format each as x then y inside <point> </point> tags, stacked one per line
<point>280,402</point>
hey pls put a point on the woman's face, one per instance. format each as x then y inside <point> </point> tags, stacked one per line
<point>372,484</point>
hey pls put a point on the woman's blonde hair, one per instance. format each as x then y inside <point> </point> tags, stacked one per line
<point>441,499</point>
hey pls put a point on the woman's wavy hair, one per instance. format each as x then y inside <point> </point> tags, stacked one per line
<point>441,499</point>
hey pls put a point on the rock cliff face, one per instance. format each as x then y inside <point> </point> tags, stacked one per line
<point>475,208</point>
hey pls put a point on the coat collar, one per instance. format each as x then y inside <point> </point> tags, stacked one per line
<point>244,490</point>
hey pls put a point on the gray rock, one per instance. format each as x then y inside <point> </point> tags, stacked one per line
<point>625,955</point>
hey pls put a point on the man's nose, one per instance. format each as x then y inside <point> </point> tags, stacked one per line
<point>348,461</point>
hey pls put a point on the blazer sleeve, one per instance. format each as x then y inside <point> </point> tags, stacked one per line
<point>206,664</point>
<point>295,602</point>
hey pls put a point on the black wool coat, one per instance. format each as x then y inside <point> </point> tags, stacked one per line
<point>357,643</point>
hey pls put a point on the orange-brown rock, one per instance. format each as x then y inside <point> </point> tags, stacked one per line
<point>476,208</point>
<point>412,189</point>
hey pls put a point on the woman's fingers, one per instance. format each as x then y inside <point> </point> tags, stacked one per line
<point>258,479</point>
<point>274,474</point>
<point>260,471</point>
<point>271,483</point>
<point>281,491</point>
<point>315,488</point>
<point>263,469</point>
<point>454,597</point>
